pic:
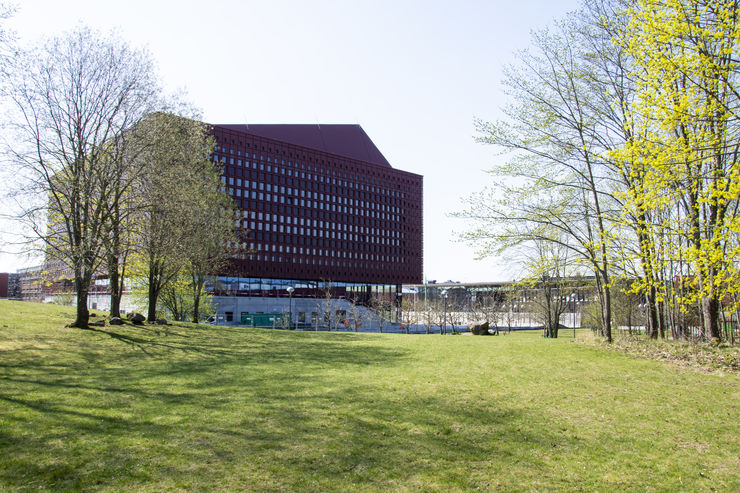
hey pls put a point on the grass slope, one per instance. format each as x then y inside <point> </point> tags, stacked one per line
<point>205,408</point>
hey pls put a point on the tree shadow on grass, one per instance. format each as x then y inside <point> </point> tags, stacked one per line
<point>316,444</point>
<point>84,418</point>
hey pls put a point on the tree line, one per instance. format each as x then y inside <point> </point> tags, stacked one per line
<point>620,146</point>
<point>112,177</point>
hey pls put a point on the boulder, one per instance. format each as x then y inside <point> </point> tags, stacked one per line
<point>161,321</point>
<point>97,323</point>
<point>481,329</point>
<point>136,318</point>
<point>115,321</point>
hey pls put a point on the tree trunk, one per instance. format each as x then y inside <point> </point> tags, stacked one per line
<point>652,313</point>
<point>710,308</point>
<point>606,310</point>
<point>152,308</point>
<point>113,258</point>
<point>153,294</point>
<point>196,308</point>
<point>115,292</point>
<point>83,315</point>
<point>197,290</point>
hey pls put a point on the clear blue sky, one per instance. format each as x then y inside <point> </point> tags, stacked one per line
<point>413,74</point>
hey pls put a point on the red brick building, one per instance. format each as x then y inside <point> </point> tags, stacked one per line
<point>321,203</point>
<point>4,278</point>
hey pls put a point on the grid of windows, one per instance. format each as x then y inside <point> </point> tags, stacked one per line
<point>314,215</point>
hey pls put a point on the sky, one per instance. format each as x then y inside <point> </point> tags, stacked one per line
<point>413,74</point>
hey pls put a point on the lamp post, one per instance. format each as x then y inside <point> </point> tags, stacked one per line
<point>572,306</point>
<point>443,330</point>
<point>416,314</point>
<point>399,307</point>
<point>290,290</point>
<point>573,312</point>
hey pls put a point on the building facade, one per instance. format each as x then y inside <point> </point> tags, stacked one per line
<point>319,207</point>
<point>4,284</point>
<point>31,284</point>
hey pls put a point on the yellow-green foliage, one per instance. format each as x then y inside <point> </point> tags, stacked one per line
<point>682,172</point>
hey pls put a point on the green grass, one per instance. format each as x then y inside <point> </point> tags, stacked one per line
<point>204,408</point>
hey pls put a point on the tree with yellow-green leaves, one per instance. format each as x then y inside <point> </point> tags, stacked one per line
<point>685,155</point>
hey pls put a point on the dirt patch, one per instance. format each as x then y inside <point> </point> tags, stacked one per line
<point>700,355</point>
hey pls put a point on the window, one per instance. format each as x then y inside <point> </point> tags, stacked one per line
<point>229,316</point>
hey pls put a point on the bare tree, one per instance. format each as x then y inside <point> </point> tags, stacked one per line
<point>438,315</point>
<point>428,317</point>
<point>455,315</point>
<point>6,37</point>
<point>327,307</point>
<point>488,306</point>
<point>548,284</point>
<point>72,100</point>
<point>356,316</point>
<point>382,308</point>
<point>409,315</point>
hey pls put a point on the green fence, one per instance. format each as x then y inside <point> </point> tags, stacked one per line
<point>266,319</point>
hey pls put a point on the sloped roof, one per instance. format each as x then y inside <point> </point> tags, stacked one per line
<point>345,140</point>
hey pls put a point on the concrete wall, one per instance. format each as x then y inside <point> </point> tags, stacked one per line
<point>98,302</point>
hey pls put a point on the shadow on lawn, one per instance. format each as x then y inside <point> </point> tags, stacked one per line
<point>195,412</point>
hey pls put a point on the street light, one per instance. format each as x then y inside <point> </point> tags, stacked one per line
<point>572,305</point>
<point>399,307</point>
<point>290,290</point>
<point>443,330</point>
<point>416,315</point>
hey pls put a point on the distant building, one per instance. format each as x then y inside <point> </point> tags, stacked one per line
<point>14,286</point>
<point>31,284</point>
<point>4,279</point>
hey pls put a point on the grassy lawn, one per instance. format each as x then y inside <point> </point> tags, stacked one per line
<point>204,408</point>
